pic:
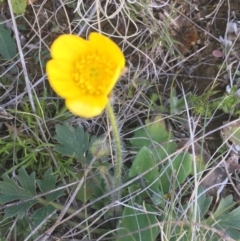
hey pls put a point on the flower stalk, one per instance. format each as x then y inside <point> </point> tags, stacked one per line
<point>117,140</point>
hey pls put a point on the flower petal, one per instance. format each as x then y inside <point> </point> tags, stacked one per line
<point>69,47</point>
<point>114,55</point>
<point>108,47</point>
<point>87,106</point>
<point>114,79</point>
<point>60,78</point>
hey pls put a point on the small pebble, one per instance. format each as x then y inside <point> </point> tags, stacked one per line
<point>217,53</point>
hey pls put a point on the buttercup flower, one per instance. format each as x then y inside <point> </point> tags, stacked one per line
<point>84,72</point>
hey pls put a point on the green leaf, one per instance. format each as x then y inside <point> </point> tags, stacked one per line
<point>98,192</point>
<point>8,47</point>
<point>152,132</point>
<point>224,206</point>
<point>93,188</point>
<point>48,184</point>
<point>231,220</point>
<point>10,190</point>
<point>39,215</point>
<point>143,161</point>
<point>203,203</point>
<point>222,219</point>
<point>155,136</point>
<point>19,6</point>
<point>26,181</point>
<point>175,172</point>
<point>18,209</point>
<point>163,150</point>
<point>199,162</point>
<point>72,141</point>
<point>24,187</point>
<point>137,225</point>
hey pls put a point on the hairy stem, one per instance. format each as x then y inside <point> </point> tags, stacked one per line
<point>117,140</point>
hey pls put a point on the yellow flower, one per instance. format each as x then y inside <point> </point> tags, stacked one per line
<point>84,72</point>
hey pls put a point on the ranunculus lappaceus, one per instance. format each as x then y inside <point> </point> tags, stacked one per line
<point>84,72</point>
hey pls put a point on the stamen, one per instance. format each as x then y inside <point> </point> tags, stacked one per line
<point>93,74</point>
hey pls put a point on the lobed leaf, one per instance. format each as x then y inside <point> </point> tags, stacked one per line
<point>48,184</point>
<point>19,210</point>
<point>40,214</point>
<point>11,191</point>
<point>23,188</point>
<point>72,141</point>
<point>26,181</point>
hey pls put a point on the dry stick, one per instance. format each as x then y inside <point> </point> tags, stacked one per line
<point>192,129</point>
<point>98,16</point>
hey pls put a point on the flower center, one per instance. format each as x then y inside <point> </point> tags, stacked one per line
<point>93,74</point>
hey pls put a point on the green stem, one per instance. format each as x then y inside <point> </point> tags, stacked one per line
<point>85,201</point>
<point>116,137</point>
